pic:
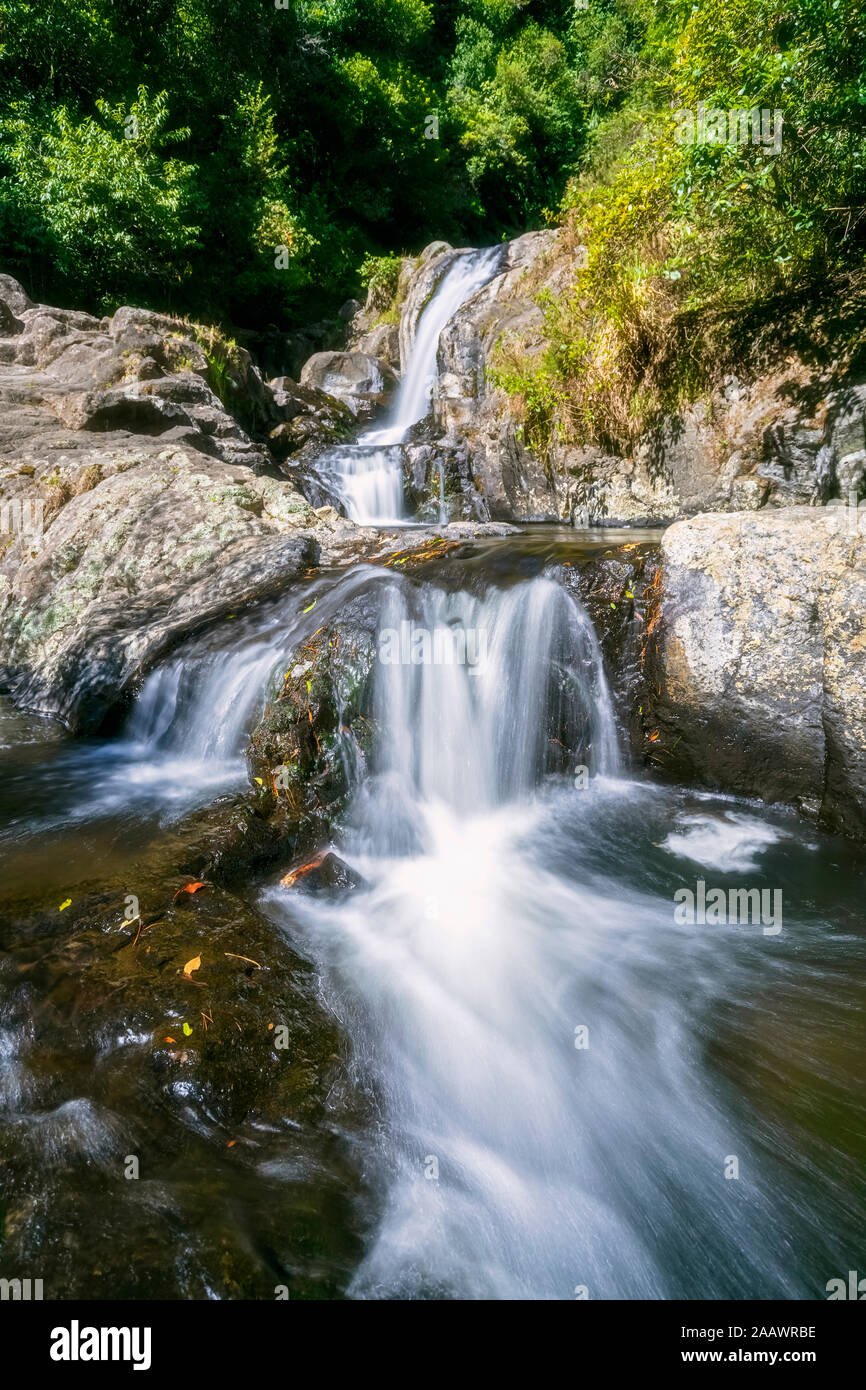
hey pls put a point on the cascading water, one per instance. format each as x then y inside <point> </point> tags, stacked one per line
<point>497,920</point>
<point>561,1073</point>
<point>367,476</point>
<point>186,733</point>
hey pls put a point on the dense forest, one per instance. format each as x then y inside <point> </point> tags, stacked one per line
<point>252,162</point>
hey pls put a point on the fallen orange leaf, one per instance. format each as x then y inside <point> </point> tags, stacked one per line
<point>295,874</point>
<point>188,888</point>
<point>192,965</point>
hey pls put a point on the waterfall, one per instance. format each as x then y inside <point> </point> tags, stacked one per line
<point>464,966</point>
<point>367,476</point>
<point>497,923</point>
<point>483,696</point>
<point>545,1049</point>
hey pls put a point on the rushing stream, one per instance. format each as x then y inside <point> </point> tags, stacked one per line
<point>516,1071</point>
<point>555,1074</point>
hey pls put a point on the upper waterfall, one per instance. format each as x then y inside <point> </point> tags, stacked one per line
<point>367,476</point>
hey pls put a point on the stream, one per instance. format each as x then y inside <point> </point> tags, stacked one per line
<point>517,1073</point>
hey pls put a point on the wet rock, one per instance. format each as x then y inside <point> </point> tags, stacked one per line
<point>327,873</point>
<point>176,1086</point>
<point>439,485</point>
<point>312,742</point>
<point>618,588</point>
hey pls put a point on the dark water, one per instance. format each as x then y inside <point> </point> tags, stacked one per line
<point>516,1073</point>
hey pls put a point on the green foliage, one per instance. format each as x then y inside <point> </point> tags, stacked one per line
<point>336,129</point>
<point>100,196</point>
<point>687,245</point>
<point>380,275</point>
<point>284,155</point>
<point>522,124</point>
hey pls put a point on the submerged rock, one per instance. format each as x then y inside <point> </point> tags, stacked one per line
<point>177,1084</point>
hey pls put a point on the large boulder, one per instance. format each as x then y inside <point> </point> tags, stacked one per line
<point>134,504</point>
<point>130,565</point>
<point>364,383</point>
<point>758,655</point>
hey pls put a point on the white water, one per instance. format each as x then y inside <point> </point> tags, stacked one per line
<point>504,909</point>
<point>367,476</point>
<point>510,1164</point>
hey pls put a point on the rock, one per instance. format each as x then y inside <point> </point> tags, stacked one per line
<point>9,324</point>
<point>845,441</point>
<point>310,417</point>
<point>784,437</point>
<point>748,492</point>
<point>617,588</point>
<point>759,653</point>
<point>364,383</point>
<point>14,295</point>
<point>130,566</point>
<point>439,479</point>
<point>421,279</point>
<point>382,342</point>
<point>134,505</point>
<point>328,335</point>
<point>375,329</point>
<point>599,489</point>
<point>317,728</point>
<point>324,874</point>
<point>219,1082</point>
<point>510,482</point>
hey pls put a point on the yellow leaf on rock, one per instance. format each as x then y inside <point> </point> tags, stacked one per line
<point>187,1031</point>
<point>62,906</point>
